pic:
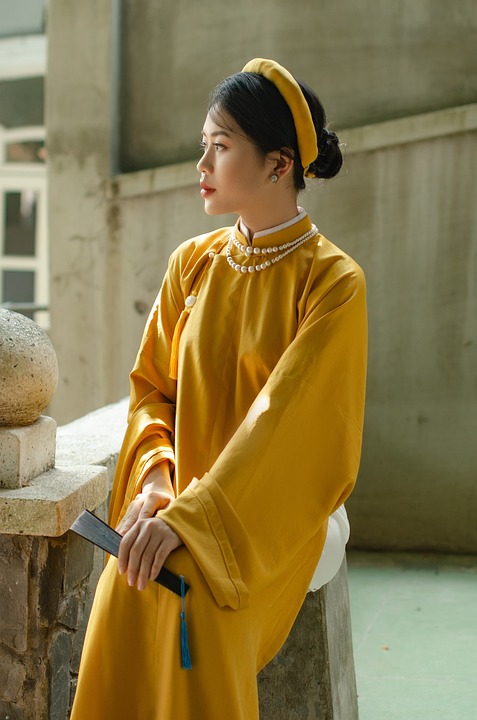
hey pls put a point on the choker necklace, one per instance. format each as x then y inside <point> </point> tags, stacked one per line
<point>283,251</point>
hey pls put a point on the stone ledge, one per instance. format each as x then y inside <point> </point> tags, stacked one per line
<point>26,451</point>
<point>365,138</point>
<point>411,129</point>
<point>94,439</point>
<point>51,502</point>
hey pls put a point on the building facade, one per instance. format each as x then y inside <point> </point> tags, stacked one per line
<point>24,252</point>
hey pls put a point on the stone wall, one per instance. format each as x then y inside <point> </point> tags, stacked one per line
<point>45,591</point>
<point>46,572</point>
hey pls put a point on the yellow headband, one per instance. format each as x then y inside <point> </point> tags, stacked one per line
<point>294,98</point>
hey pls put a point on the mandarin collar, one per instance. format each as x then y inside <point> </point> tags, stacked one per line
<point>276,236</point>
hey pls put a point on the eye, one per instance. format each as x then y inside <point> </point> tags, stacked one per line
<point>217,145</point>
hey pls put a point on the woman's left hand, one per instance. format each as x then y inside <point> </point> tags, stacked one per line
<point>144,549</point>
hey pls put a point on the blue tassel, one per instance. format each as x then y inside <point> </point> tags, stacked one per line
<point>185,655</point>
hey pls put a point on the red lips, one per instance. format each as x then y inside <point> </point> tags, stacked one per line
<point>205,189</point>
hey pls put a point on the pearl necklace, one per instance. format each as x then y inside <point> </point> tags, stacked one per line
<point>286,249</point>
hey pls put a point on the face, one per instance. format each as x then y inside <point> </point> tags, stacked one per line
<point>234,174</point>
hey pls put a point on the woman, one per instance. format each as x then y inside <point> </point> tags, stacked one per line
<point>245,423</point>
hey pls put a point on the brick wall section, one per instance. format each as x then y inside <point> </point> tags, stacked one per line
<point>47,583</point>
<point>44,596</point>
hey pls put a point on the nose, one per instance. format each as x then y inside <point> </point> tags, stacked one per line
<point>204,165</point>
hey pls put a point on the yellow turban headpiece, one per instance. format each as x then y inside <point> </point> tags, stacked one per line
<point>294,98</point>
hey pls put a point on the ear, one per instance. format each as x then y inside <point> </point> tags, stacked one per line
<point>281,164</point>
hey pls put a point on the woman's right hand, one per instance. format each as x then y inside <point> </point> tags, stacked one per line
<point>144,506</point>
<point>147,540</point>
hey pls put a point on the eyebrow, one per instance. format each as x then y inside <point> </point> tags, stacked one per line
<point>218,132</point>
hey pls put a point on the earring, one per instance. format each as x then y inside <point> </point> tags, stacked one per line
<point>274,178</point>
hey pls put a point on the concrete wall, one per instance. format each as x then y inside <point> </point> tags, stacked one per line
<point>81,228</point>
<point>411,218</point>
<point>369,61</point>
<point>403,207</point>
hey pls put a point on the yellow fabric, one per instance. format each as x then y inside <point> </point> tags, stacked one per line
<point>264,427</point>
<point>291,92</point>
<point>174,361</point>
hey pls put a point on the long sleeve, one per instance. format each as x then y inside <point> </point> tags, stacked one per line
<point>294,458</point>
<point>149,438</point>
<point>149,435</point>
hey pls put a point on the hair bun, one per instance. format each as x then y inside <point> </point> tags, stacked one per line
<point>330,159</point>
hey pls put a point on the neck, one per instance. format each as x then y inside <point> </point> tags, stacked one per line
<point>269,215</point>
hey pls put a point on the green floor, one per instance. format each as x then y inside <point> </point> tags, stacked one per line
<point>415,636</point>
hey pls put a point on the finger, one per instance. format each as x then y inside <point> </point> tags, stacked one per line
<point>170,542</point>
<point>126,523</point>
<point>125,547</point>
<point>138,551</point>
<point>131,516</point>
<point>122,527</point>
<point>160,558</point>
<point>147,561</point>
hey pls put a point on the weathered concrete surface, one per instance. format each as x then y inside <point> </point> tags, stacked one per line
<point>404,208</point>
<point>412,218</point>
<point>26,451</point>
<point>368,61</point>
<point>94,439</point>
<point>50,504</point>
<point>78,112</point>
<point>312,677</point>
<point>28,369</point>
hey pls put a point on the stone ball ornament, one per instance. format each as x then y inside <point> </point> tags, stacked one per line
<point>28,369</point>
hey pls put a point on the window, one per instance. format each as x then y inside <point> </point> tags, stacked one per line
<point>23,234</point>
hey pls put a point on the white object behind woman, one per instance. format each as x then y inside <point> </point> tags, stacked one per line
<point>334,549</point>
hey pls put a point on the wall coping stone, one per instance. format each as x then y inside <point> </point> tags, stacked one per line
<point>26,451</point>
<point>94,439</point>
<point>51,502</point>
<point>410,129</point>
<point>86,454</point>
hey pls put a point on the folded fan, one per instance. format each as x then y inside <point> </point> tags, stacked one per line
<point>92,528</point>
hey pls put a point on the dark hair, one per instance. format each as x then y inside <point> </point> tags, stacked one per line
<point>259,109</point>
